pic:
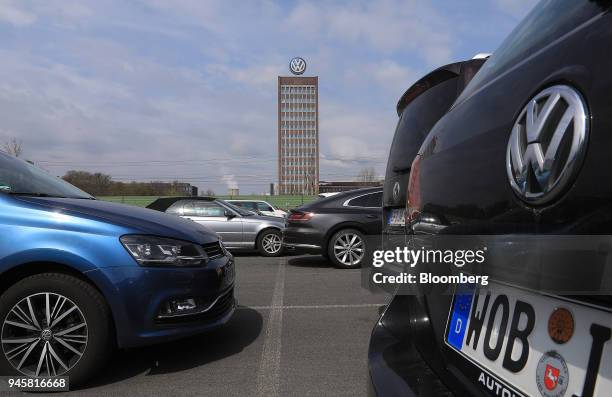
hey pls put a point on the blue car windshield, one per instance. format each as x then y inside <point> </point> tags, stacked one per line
<point>18,177</point>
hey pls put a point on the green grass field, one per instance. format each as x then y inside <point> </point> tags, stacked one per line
<point>285,202</point>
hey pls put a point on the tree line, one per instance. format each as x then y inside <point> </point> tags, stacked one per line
<point>98,184</point>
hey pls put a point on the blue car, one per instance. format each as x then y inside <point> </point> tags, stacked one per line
<point>79,276</point>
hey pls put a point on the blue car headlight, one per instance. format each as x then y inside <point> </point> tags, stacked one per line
<point>158,251</point>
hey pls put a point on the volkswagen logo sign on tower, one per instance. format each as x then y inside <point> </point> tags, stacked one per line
<point>547,144</point>
<point>297,66</point>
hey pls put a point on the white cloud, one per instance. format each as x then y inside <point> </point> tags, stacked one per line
<point>393,76</point>
<point>65,9</point>
<point>64,13</point>
<point>11,12</point>
<point>516,8</point>
<point>351,140</point>
<point>255,76</point>
<point>305,19</point>
<point>387,26</point>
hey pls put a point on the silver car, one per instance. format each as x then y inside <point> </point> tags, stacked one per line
<point>237,227</point>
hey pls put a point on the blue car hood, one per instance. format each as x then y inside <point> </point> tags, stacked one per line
<point>133,219</point>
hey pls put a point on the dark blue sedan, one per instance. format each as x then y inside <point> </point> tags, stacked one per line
<point>79,276</point>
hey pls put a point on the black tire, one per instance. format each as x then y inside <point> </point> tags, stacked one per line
<point>91,307</point>
<point>267,237</point>
<point>334,242</point>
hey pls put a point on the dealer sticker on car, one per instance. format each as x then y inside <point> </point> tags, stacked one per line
<point>518,343</point>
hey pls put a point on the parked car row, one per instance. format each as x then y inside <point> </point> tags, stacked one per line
<point>335,227</point>
<point>516,146</point>
<point>79,276</point>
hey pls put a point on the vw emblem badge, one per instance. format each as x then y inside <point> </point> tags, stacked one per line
<point>547,144</point>
<point>297,66</point>
<point>396,192</point>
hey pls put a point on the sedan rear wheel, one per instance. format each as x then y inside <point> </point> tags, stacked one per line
<point>347,248</point>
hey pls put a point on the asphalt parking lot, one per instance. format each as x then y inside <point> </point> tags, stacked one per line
<point>302,328</point>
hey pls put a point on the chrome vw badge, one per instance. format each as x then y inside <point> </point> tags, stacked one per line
<point>297,65</point>
<point>547,144</point>
<point>396,192</point>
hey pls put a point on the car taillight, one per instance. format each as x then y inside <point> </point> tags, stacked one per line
<point>413,202</point>
<point>300,216</point>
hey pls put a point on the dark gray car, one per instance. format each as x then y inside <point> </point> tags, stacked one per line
<point>336,227</point>
<point>237,227</point>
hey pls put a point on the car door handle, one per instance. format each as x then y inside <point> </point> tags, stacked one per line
<point>371,216</point>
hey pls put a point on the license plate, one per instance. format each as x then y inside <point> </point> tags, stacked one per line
<point>517,343</point>
<point>397,217</point>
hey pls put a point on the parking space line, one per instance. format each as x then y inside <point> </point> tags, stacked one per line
<point>269,364</point>
<point>353,306</point>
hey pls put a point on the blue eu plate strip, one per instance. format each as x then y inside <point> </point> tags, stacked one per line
<point>460,315</point>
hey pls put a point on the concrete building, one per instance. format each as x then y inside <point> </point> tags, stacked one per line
<point>298,135</point>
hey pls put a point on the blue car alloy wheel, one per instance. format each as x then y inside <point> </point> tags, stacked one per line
<point>53,325</point>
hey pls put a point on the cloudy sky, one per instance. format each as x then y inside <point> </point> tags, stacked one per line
<point>186,89</point>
